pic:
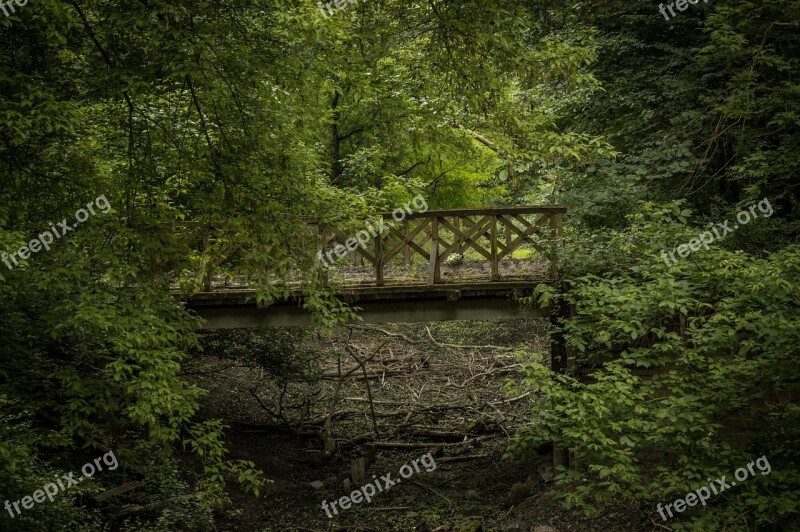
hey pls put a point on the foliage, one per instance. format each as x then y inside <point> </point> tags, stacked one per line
<point>247,116</point>
<point>702,112</point>
<point>676,358</point>
<point>250,116</point>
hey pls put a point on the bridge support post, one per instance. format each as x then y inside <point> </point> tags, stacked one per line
<point>556,243</point>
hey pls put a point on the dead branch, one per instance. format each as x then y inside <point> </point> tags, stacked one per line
<point>369,389</point>
<point>384,332</point>
<point>374,375</point>
<point>430,335</point>
<point>457,346</point>
<point>377,402</point>
<point>434,491</point>
<point>444,434</point>
<point>424,445</point>
<point>504,369</point>
<point>512,399</point>
<point>279,414</point>
<point>328,422</point>
<point>465,458</point>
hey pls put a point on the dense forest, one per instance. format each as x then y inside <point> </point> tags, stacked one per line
<point>670,131</point>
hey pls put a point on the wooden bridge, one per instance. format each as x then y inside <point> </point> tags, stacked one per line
<point>433,266</point>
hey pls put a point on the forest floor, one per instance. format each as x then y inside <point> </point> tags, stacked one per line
<point>439,388</point>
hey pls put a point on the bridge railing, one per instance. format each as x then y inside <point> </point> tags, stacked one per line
<point>454,238</point>
<point>468,245</point>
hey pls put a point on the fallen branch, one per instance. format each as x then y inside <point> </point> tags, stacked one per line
<point>434,491</point>
<point>422,445</point>
<point>119,490</point>
<point>351,413</point>
<point>328,434</point>
<point>373,375</point>
<point>369,389</point>
<point>365,400</point>
<point>504,369</point>
<point>444,434</point>
<point>435,342</point>
<point>457,346</point>
<point>464,458</point>
<point>385,333</point>
<point>279,414</point>
<point>512,399</point>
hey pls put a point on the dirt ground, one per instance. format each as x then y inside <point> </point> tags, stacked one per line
<point>435,388</point>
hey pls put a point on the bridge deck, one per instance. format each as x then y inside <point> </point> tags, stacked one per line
<point>438,265</point>
<point>234,308</point>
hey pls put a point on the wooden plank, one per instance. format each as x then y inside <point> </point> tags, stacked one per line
<point>378,261</point>
<point>486,234</point>
<point>420,240</point>
<point>332,243</point>
<point>119,490</point>
<point>480,228</point>
<point>493,244</point>
<point>523,221</point>
<point>406,244</point>
<point>524,236</point>
<point>433,263</point>
<point>244,296</point>
<point>365,254</point>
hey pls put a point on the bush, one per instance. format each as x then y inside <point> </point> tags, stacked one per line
<point>674,354</point>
